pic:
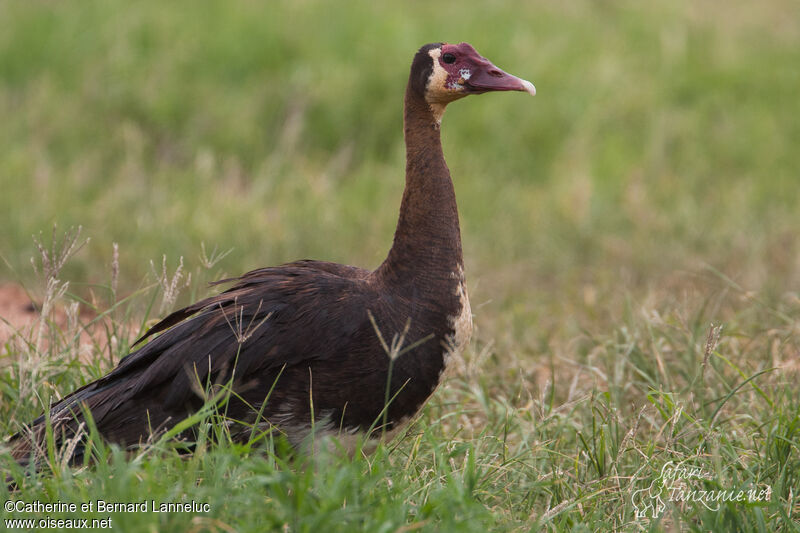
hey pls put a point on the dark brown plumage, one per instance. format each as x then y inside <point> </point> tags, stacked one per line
<point>309,330</point>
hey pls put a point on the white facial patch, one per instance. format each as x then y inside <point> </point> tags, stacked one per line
<point>464,75</point>
<point>436,86</point>
<point>438,75</point>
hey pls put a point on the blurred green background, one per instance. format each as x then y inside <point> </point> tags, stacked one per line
<point>663,141</point>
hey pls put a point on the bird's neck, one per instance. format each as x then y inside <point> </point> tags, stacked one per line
<point>427,241</point>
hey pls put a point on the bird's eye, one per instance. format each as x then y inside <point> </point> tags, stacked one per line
<point>449,58</point>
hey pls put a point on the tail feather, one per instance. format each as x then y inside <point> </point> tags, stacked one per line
<point>117,419</point>
<point>66,421</point>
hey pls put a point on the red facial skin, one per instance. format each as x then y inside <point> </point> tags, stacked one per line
<point>475,73</point>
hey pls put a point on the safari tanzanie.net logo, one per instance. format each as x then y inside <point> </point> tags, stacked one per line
<point>685,483</point>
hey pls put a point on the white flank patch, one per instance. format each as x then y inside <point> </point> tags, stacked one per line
<point>461,323</point>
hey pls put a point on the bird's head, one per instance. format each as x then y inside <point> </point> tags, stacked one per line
<point>444,72</point>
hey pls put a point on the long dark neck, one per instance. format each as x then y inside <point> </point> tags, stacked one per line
<point>427,241</point>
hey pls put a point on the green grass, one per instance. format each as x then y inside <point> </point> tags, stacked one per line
<point>648,191</point>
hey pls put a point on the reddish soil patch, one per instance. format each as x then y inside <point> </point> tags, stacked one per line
<point>17,311</point>
<point>19,315</point>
